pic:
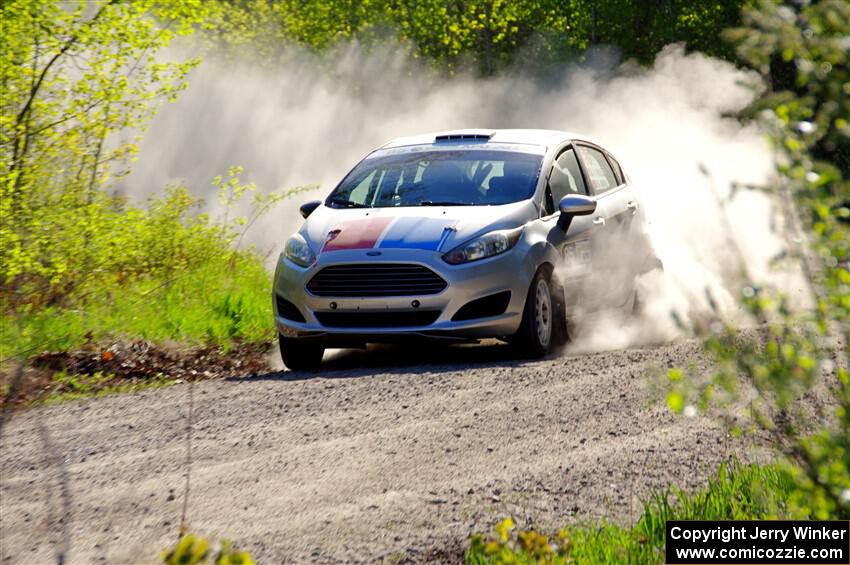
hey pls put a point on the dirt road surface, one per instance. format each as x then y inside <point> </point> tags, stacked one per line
<point>388,455</point>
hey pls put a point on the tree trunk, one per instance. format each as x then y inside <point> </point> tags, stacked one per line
<point>488,38</point>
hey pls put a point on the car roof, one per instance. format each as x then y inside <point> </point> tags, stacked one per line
<point>542,137</point>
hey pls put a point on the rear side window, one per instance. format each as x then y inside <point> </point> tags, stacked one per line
<point>602,178</point>
<point>618,170</point>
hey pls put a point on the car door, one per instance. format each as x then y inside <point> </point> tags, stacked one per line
<point>614,267</point>
<point>641,255</point>
<point>577,243</point>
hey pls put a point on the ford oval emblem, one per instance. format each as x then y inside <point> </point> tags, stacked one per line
<point>373,253</point>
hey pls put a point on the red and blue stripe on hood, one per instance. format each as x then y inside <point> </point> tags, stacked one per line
<point>405,232</point>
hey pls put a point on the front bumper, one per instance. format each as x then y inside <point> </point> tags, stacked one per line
<point>511,271</point>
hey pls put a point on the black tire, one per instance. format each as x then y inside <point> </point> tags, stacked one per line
<point>543,307</point>
<point>562,334</point>
<point>298,355</point>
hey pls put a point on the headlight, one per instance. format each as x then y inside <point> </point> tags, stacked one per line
<point>297,251</point>
<point>483,246</point>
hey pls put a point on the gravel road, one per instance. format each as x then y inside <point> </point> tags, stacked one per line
<point>388,455</point>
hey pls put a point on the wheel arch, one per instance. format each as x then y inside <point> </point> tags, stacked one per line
<point>544,255</point>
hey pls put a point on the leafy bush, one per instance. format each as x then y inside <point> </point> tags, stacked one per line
<point>801,51</point>
<point>77,264</point>
<point>72,257</point>
<point>192,550</point>
<point>73,75</point>
<point>737,492</point>
<point>161,272</point>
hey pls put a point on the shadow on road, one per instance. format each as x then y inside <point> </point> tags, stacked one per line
<point>407,359</point>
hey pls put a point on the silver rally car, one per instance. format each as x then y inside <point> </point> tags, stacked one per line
<point>462,235</point>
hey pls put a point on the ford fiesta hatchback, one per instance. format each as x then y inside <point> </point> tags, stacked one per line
<point>458,236</point>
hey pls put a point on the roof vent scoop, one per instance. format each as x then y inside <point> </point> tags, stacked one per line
<point>465,135</point>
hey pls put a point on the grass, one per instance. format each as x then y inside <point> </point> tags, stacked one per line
<point>736,492</point>
<point>213,303</point>
<point>81,279</point>
<point>117,272</point>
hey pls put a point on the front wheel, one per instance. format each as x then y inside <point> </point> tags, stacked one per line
<point>298,355</point>
<point>542,318</point>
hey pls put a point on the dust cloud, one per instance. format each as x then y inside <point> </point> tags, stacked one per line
<point>309,120</point>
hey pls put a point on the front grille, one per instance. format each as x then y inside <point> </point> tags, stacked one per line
<point>288,310</point>
<point>414,318</point>
<point>370,279</point>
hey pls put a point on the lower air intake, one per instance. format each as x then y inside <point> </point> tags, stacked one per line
<point>411,319</point>
<point>492,305</point>
<point>288,310</point>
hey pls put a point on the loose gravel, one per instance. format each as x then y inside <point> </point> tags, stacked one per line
<point>386,455</point>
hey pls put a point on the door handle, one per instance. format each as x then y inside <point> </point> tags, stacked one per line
<point>632,205</point>
<point>599,221</point>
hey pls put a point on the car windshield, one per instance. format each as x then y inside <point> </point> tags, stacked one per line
<point>439,178</point>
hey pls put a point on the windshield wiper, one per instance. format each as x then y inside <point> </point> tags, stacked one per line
<point>438,203</point>
<point>347,203</point>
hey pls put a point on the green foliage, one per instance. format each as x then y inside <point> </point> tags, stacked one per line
<point>231,192</point>
<point>489,34</point>
<point>160,273</point>
<point>77,264</point>
<point>737,492</point>
<point>641,28</point>
<point>802,52</point>
<point>192,550</point>
<point>72,75</point>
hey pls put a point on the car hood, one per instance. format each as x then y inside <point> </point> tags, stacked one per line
<point>432,228</point>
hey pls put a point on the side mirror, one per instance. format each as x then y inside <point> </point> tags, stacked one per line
<point>576,205</point>
<point>307,208</point>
